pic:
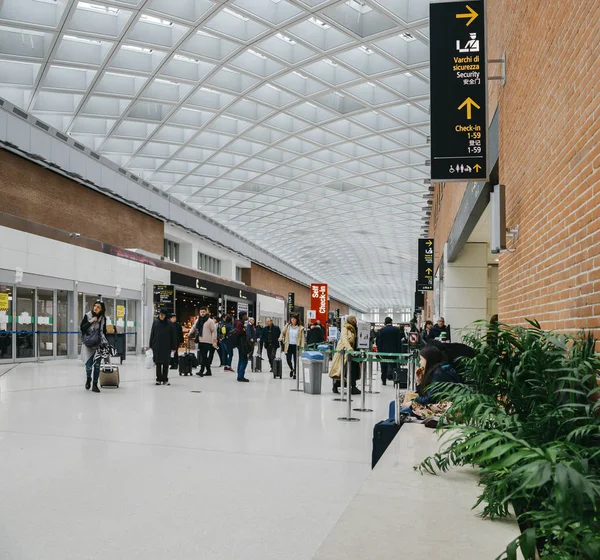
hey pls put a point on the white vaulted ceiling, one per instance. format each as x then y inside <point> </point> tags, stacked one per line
<point>300,124</point>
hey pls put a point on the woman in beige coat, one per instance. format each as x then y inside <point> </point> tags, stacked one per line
<point>293,338</point>
<point>348,340</point>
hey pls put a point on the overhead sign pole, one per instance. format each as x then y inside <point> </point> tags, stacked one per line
<point>458,92</point>
<point>425,268</point>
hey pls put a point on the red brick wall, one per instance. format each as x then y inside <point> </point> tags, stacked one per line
<point>39,195</point>
<point>550,159</point>
<point>263,278</point>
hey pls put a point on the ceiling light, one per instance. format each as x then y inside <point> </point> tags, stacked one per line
<point>170,82</point>
<point>257,54</point>
<point>285,37</point>
<point>273,87</point>
<point>408,37</point>
<point>235,14</point>
<point>330,62</point>
<point>136,48</point>
<point>371,84</point>
<point>319,23</point>
<point>82,40</point>
<point>366,49</point>
<point>359,6</point>
<point>98,8</point>
<point>300,75</point>
<point>339,94</point>
<point>209,90</point>
<point>155,20</point>
<point>408,74</point>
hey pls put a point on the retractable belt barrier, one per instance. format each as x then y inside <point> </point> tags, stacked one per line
<point>54,332</point>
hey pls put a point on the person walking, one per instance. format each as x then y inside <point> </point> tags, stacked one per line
<point>293,337</point>
<point>348,341</point>
<point>389,341</point>
<point>259,331</point>
<point>270,338</point>
<point>93,336</point>
<point>163,341</point>
<point>215,346</point>
<point>316,334</point>
<point>226,345</point>
<point>242,346</point>
<point>251,338</point>
<point>180,340</point>
<point>204,332</point>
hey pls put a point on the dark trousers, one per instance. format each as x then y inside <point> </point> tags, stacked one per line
<point>291,356</point>
<point>95,366</point>
<point>384,370</point>
<point>204,356</point>
<point>260,348</point>
<point>271,354</point>
<point>162,373</point>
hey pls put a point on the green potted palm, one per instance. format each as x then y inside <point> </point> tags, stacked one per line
<point>528,418</point>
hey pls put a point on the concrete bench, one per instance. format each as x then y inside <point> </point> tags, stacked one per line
<point>400,513</point>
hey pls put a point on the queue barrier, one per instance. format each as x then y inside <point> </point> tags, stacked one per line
<point>54,332</point>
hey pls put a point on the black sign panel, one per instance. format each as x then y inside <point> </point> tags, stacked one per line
<point>419,301</point>
<point>164,297</point>
<point>291,301</point>
<point>205,286</point>
<point>425,278</point>
<point>458,91</point>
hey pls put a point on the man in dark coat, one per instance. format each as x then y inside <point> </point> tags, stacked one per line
<point>389,340</point>
<point>270,338</point>
<point>163,341</point>
<point>439,328</point>
<point>242,345</point>
<point>316,334</point>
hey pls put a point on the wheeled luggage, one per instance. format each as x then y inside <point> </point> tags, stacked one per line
<point>383,434</point>
<point>256,363</point>
<point>186,364</point>
<point>109,375</point>
<point>277,368</point>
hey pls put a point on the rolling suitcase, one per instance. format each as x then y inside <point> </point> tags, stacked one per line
<point>186,362</point>
<point>277,368</point>
<point>256,363</point>
<point>385,431</point>
<point>109,375</point>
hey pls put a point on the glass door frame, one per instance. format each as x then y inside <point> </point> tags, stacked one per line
<point>11,328</point>
<point>35,357</point>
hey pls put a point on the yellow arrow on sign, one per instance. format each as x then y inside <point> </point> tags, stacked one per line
<point>472,16</point>
<point>469,104</point>
<point>477,167</point>
<point>430,243</point>
<point>428,270</point>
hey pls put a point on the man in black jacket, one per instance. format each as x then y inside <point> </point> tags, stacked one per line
<point>389,340</point>
<point>270,338</point>
<point>439,328</point>
<point>316,334</point>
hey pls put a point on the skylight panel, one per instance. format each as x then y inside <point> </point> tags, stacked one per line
<point>360,7</point>
<point>235,14</point>
<point>98,8</point>
<point>156,21</point>
<point>319,23</point>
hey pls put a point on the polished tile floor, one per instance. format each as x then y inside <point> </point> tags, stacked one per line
<point>236,471</point>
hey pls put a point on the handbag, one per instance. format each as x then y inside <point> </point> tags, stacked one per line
<point>93,337</point>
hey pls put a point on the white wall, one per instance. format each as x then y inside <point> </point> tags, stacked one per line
<point>465,294</point>
<point>191,244</point>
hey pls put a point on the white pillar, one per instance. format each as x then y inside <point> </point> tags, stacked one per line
<point>465,294</point>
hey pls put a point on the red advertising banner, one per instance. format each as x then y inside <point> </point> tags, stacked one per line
<point>319,302</point>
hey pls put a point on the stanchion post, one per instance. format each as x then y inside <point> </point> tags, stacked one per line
<point>298,365</point>
<point>371,392</point>
<point>364,386</point>
<point>341,397</point>
<point>348,418</point>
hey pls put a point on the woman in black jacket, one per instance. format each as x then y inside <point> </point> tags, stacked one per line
<point>93,335</point>
<point>163,341</point>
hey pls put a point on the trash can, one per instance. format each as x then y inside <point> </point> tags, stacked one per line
<point>312,371</point>
<point>326,348</point>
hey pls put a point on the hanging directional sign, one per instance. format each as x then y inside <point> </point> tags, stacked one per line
<point>458,91</point>
<point>425,279</point>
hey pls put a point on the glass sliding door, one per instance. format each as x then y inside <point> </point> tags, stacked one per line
<point>6,322</point>
<point>45,323</point>
<point>25,323</point>
<point>62,323</point>
<point>131,326</point>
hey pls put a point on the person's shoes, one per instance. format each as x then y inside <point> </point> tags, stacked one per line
<point>244,380</point>
<point>335,389</point>
<point>158,383</point>
<point>166,383</point>
<point>200,374</point>
<point>95,388</point>
<point>88,384</point>
<point>292,373</point>
<point>355,391</point>
<point>294,376</point>
<point>383,381</point>
<point>209,373</point>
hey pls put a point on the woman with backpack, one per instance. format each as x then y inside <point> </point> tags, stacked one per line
<point>93,336</point>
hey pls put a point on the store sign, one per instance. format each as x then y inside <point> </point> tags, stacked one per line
<point>425,278</point>
<point>164,296</point>
<point>458,91</point>
<point>419,301</point>
<point>319,301</point>
<point>291,303</point>
<point>3,302</point>
<point>120,312</point>
<point>178,279</point>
